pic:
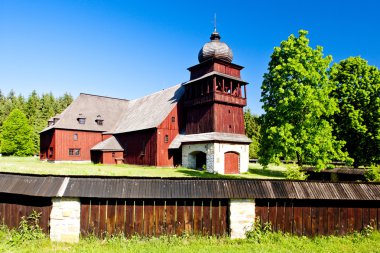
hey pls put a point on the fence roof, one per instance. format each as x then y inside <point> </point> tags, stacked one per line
<point>184,188</point>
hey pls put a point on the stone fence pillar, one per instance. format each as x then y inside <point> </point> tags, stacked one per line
<point>242,216</point>
<point>65,220</point>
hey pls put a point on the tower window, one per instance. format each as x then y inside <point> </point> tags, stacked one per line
<point>173,119</point>
<point>75,137</point>
<point>166,139</point>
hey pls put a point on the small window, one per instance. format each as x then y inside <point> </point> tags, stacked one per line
<point>81,119</point>
<point>50,151</point>
<point>143,148</point>
<point>74,152</point>
<point>173,119</point>
<point>99,120</point>
<point>113,154</point>
<point>166,139</point>
<point>75,137</point>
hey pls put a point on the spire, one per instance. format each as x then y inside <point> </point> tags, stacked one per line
<point>214,22</point>
<point>215,35</point>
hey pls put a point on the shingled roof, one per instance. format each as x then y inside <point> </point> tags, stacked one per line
<point>119,115</point>
<point>149,111</point>
<point>213,137</point>
<point>90,106</point>
<point>182,188</point>
<point>110,144</point>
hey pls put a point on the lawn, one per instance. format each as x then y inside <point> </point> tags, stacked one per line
<point>32,165</point>
<point>272,242</point>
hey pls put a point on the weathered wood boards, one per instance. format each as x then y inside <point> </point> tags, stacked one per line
<point>14,207</point>
<point>154,217</point>
<point>311,218</point>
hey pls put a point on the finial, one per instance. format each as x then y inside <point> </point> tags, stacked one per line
<point>214,22</point>
<point>215,35</point>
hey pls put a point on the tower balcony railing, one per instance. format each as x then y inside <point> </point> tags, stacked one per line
<point>216,96</point>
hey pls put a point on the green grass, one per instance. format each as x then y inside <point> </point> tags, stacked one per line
<point>32,165</point>
<point>272,242</point>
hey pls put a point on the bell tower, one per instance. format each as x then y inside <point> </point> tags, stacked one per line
<point>216,94</point>
<point>214,138</point>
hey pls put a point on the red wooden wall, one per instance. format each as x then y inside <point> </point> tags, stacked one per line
<point>199,119</point>
<point>47,141</point>
<point>109,157</point>
<point>229,119</point>
<point>215,117</point>
<point>318,217</point>
<point>219,66</point>
<point>64,140</point>
<point>140,147</point>
<point>171,129</point>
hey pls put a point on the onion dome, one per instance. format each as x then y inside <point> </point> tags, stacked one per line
<point>215,49</point>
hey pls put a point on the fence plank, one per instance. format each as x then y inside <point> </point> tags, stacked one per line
<point>170,217</point>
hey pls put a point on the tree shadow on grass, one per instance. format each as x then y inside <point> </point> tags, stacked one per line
<point>205,174</point>
<point>268,173</point>
<point>260,173</point>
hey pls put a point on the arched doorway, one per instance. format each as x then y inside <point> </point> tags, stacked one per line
<point>231,163</point>
<point>199,159</point>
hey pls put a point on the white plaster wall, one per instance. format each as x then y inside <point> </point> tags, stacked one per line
<point>215,155</point>
<point>221,148</point>
<point>65,220</point>
<point>189,161</point>
<point>242,216</point>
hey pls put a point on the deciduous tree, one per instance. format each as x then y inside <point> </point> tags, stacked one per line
<point>295,96</point>
<point>17,135</point>
<point>252,130</point>
<point>358,121</point>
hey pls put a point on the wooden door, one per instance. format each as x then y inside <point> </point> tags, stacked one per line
<point>231,163</point>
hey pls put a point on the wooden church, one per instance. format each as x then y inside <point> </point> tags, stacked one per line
<point>196,124</point>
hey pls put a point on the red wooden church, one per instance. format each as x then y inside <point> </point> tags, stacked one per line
<point>195,124</point>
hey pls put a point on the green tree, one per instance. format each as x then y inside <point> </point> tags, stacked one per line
<point>295,96</point>
<point>252,129</point>
<point>358,122</point>
<point>63,102</point>
<point>34,115</point>
<point>17,135</point>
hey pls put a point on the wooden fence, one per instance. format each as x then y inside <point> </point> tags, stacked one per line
<point>316,217</point>
<point>154,217</point>
<point>14,207</point>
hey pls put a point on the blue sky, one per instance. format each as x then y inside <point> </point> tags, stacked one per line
<point>128,49</point>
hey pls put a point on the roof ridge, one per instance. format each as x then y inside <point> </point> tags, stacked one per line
<point>154,93</point>
<point>87,94</point>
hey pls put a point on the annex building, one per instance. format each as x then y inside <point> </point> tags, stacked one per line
<point>196,124</point>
